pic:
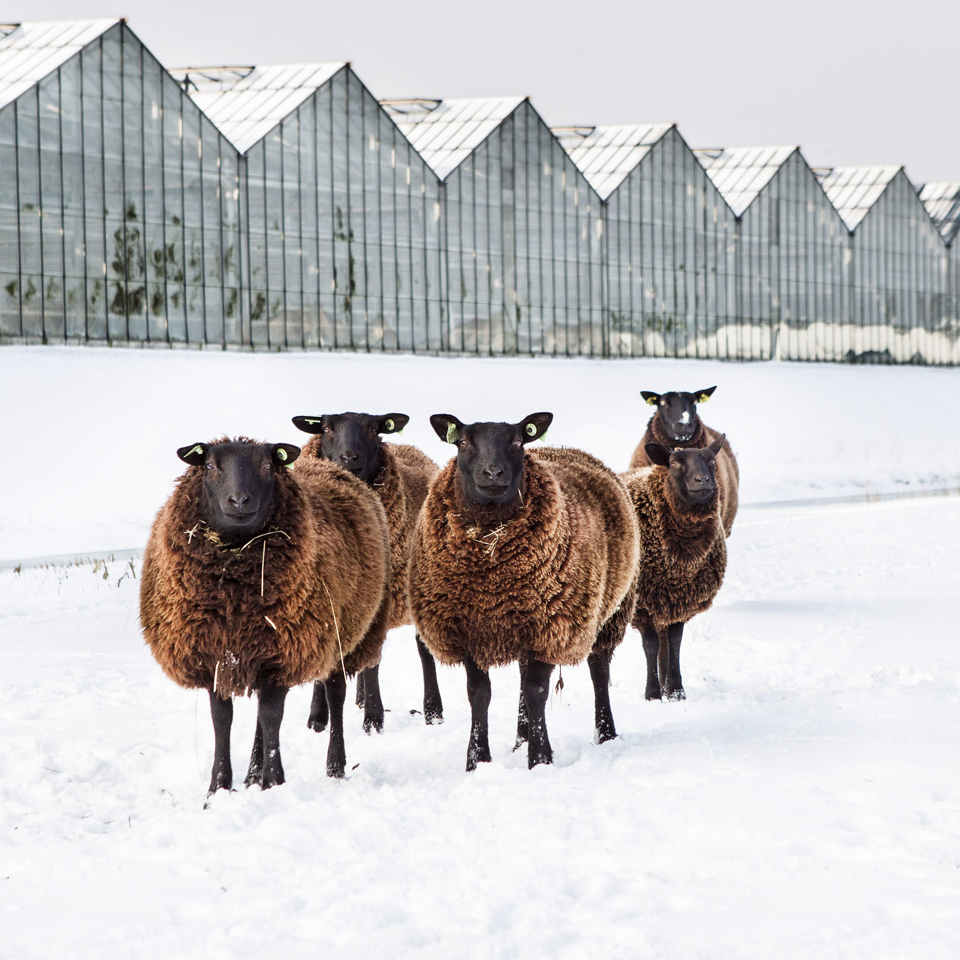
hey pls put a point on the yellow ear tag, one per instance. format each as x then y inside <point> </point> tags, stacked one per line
<point>704,397</point>
<point>652,401</point>
<point>453,434</point>
<point>196,449</point>
<point>389,425</point>
<point>281,453</point>
<point>531,429</point>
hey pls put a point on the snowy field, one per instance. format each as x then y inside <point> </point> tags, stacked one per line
<point>804,801</point>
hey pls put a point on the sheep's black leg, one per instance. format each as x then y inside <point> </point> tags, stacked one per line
<point>255,770</point>
<point>361,696</point>
<point>432,704</point>
<point>523,725</point>
<point>651,649</point>
<point>599,664</point>
<point>318,709</point>
<point>372,704</point>
<point>478,692</point>
<point>536,687</point>
<point>269,717</point>
<point>336,685</point>
<point>674,683</point>
<point>222,713</point>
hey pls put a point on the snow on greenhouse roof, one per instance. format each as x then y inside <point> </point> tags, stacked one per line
<point>446,132</point>
<point>31,51</point>
<point>942,201</point>
<point>246,103</point>
<point>740,173</point>
<point>854,190</point>
<point>607,155</point>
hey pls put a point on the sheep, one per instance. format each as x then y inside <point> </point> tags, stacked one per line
<point>400,475</point>
<point>683,553</point>
<point>676,424</point>
<point>255,579</point>
<point>522,556</point>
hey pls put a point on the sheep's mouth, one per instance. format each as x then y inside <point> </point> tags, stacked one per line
<point>701,496</point>
<point>493,491</point>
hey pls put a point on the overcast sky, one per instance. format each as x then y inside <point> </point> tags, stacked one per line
<point>851,82</point>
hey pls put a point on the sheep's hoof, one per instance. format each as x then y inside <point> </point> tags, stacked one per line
<point>476,757</point>
<point>316,724</point>
<point>653,693</point>
<point>535,759</point>
<point>676,694</point>
<point>605,735</point>
<point>371,724</point>
<point>432,712</point>
<point>212,793</point>
<point>253,777</point>
<point>335,770</point>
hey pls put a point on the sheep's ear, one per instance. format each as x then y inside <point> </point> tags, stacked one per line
<point>535,426</point>
<point>658,454</point>
<point>652,398</point>
<point>704,395</point>
<point>392,423</point>
<point>195,454</point>
<point>717,444</point>
<point>309,424</point>
<point>448,428</point>
<point>284,454</point>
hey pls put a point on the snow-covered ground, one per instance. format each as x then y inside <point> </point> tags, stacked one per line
<point>803,802</point>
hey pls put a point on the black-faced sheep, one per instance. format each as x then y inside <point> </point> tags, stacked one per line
<point>399,474</point>
<point>522,556</point>
<point>676,424</point>
<point>256,579</point>
<point>683,553</point>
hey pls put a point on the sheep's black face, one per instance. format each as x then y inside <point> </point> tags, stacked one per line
<point>678,411</point>
<point>352,440</point>
<point>490,456</point>
<point>692,472</point>
<point>238,484</point>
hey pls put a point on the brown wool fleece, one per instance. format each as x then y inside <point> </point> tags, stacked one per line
<point>728,472</point>
<point>401,484</point>
<point>543,582</point>
<point>683,552</point>
<point>324,571</point>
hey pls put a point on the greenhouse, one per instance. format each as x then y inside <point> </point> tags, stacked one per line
<point>287,206</point>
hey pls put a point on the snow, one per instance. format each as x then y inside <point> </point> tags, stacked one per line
<point>803,801</point>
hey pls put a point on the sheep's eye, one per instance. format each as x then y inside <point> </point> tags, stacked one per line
<point>518,443</point>
<point>208,465</point>
<point>327,431</point>
<point>265,468</point>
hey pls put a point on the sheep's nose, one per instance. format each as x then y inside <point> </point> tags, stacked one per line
<point>493,472</point>
<point>349,457</point>
<point>238,500</point>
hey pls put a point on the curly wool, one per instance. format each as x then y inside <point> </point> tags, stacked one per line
<point>278,609</point>
<point>401,482</point>
<point>728,472</point>
<point>683,551</point>
<point>543,582</point>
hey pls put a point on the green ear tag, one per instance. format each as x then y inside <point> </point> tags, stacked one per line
<point>531,429</point>
<point>453,434</point>
<point>196,449</point>
<point>543,436</point>
<point>389,424</point>
<point>311,422</point>
<point>281,453</point>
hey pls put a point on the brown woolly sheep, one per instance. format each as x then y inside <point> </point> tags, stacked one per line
<point>676,424</point>
<point>522,556</point>
<point>683,553</point>
<point>399,474</point>
<point>256,579</point>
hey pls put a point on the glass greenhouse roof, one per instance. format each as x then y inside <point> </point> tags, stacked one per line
<point>740,173</point>
<point>30,51</point>
<point>942,201</point>
<point>607,155</point>
<point>246,103</point>
<point>854,190</point>
<point>446,132</point>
